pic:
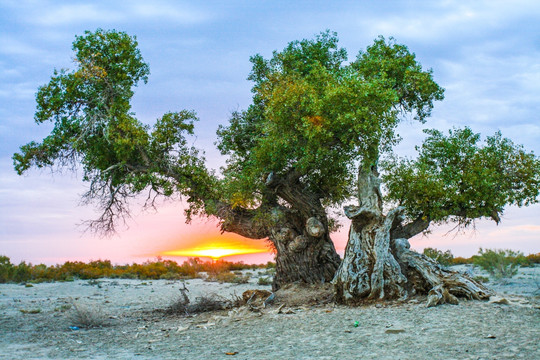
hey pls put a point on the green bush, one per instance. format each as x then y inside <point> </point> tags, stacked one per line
<point>228,277</point>
<point>6,268</point>
<point>500,263</point>
<point>481,279</point>
<point>22,272</point>
<point>444,258</point>
<point>533,258</point>
<point>459,260</point>
<point>265,281</point>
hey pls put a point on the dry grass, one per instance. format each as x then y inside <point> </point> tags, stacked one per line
<point>205,303</point>
<point>228,277</point>
<point>86,316</point>
<point>299,294</point>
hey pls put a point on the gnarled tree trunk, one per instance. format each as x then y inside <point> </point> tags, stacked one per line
<point>378,263</point>
<point>304,253</point>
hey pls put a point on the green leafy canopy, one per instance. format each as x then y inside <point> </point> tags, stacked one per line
<point>94,126</point>
<point>458,178</point>
<point>317,115</point>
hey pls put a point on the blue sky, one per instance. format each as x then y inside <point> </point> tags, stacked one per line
<point>486,54</point>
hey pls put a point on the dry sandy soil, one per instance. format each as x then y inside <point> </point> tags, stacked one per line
<point>35,324</point>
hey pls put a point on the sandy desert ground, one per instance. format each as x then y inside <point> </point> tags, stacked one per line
<point>38,323</point>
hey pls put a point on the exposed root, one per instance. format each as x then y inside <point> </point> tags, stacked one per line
<point>442,285</point>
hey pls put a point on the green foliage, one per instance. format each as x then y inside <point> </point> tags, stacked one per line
<point>31,311</point>
<point>444,258</point>
<point>6,269</point>
<point>481,279</point>
<point>533,258</point>
<point>90,106</point>
<point>461,261</point>
<point>20,272</point>
<point>499,263</point>
<point>264,281</point>
<point>228,277</point>
<point>313,111</point>
<point>94,127</point>
<point>455,178</point>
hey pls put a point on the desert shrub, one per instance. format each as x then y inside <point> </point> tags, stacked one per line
<point>228,277</point>
<point>128,275</point>
<point>499,263</point>
<point>444,258</point>
<point>40,273</point>
<point>31,311</point>
<point>205,303</point>
<point>268,272</point>
<point>63,308</point>
<point>241,266</point>
<point>170,276</point>
<point>481,279</point>
<point>264,281</point>
<point>241,279</point>
<point>534,258</point>
<point>21,272</point>
<point>6,268</point>
<point>461,261</point>
<point>86,316</point>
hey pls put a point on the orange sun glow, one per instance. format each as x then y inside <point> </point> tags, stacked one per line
<point>216,249</point>
<point>214,253</point>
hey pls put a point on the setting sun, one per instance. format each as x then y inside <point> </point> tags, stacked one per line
<point>214,253</point>
<point>218,247</point>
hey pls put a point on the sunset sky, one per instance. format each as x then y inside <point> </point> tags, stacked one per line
<point>486,54</point>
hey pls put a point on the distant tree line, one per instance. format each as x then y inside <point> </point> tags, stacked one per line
<point>220,270</point>
<point>158,269</point>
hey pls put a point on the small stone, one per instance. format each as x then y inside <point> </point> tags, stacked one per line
<point>500,301</point>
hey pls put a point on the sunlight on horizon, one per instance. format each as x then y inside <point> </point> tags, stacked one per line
<point>217,249</point>
<point>214,253</point>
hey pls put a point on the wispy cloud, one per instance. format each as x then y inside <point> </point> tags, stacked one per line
<point>75,13</point>
<point>54,14</point>
<point>10,45</point>
<point>180,12</point>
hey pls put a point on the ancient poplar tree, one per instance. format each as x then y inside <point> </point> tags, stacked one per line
<point>331,124</point>
<point>313,138</point>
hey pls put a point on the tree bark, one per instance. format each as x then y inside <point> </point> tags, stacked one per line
<point>304,253</point>
<point>379,265</point>
<point>299,234</point>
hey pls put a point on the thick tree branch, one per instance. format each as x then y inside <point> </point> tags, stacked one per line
<point>411,229</point>
<point>241,221</point>
<point>290,189</point>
